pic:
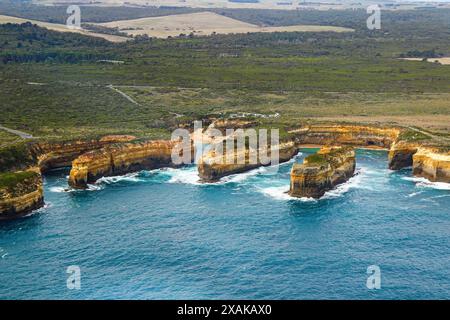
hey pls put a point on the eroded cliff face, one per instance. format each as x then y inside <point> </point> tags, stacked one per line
<point>401,155</point>
<point>212,167</point>
<point>57,155</point>
<point>115,155</point>
<point>354,135</point>
<point>427,161</point>
<point>120,159</point>
<point>322,172</point>
<point>20,193</point>
<point>432,163</point>
<point>21,189</point>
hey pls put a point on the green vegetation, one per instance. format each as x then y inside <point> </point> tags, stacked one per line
<point>316,159</point>
<point>10,181</point>
<point>412,136</point>
<point>57,14</point>
<point>320,159</point>
<point>15,157</point>
<point>7,138</point>
<point>55,87</point>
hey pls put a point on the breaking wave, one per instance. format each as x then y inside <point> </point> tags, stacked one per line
<point>130,177</point>
<point>425,183</point>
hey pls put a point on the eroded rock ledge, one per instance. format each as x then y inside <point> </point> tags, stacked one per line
<point>120,159</point>
<point>21,167</point>
<point>432,163</point>
<point>322,171</point>
<point>212,167</point>
<point>352,135</point>
<point>20,193</point>
<point>427,161</point>
<point>119,154</point>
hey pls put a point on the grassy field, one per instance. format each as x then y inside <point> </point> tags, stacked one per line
<point>7,138</point>
<point>203,23</point>
<point>313,76</point>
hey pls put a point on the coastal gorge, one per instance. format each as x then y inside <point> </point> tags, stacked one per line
<point>21,189</point>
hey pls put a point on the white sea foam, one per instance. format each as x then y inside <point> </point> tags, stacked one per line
<point>40,210</point>
<point>90,187</point>
<point>352,183</point>
<point>185,176</point>
<point>414,194</point>
<point>58,189</point>
<point>190,175</point>
<point>240,177</point>
<point>130,177</point>
<point>280,193</point>
<point>425,183</point>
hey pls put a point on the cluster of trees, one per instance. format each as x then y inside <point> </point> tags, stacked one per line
<point>422,54</point>
<point>59,57</point>
<point>95,14</point>
<point>29,43</point>
<point>407,34</point>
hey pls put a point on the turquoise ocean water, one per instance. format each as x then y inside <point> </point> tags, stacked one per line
<point>162,235</point>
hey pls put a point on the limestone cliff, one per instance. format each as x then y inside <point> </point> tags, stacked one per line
<point>212,167</point>
<point>354,135</point>
<point>20,193</point>
<point>322,172</point>
<point>401,155</point>
<point>427,160</point>
<point>61,154</point>
<point>432,163</point>
<point>120,159</point>
<point>406,147</point>
<point>21,182</point>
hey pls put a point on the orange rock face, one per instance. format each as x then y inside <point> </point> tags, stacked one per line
<point>120,159</point>
<point>431,164</point>
<point>56,155</point>
<point>24,196</point>
<point>322,172</point>
<point>401,155</point>
<point>212,167</point>
<point>353,135</point>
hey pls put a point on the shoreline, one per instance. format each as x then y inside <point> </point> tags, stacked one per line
<point>318,146</point>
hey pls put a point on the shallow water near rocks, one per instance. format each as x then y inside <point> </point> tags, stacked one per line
<point>162,235</point>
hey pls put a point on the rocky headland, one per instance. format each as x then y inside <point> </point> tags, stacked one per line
<point>428,161</point>
<point>20,193</point>
<point>432,163</point>
<point>120,159</point>
<point>21,166</point>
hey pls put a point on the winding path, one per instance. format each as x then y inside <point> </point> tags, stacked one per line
<point>21,134</point>
<point>123,94</point>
